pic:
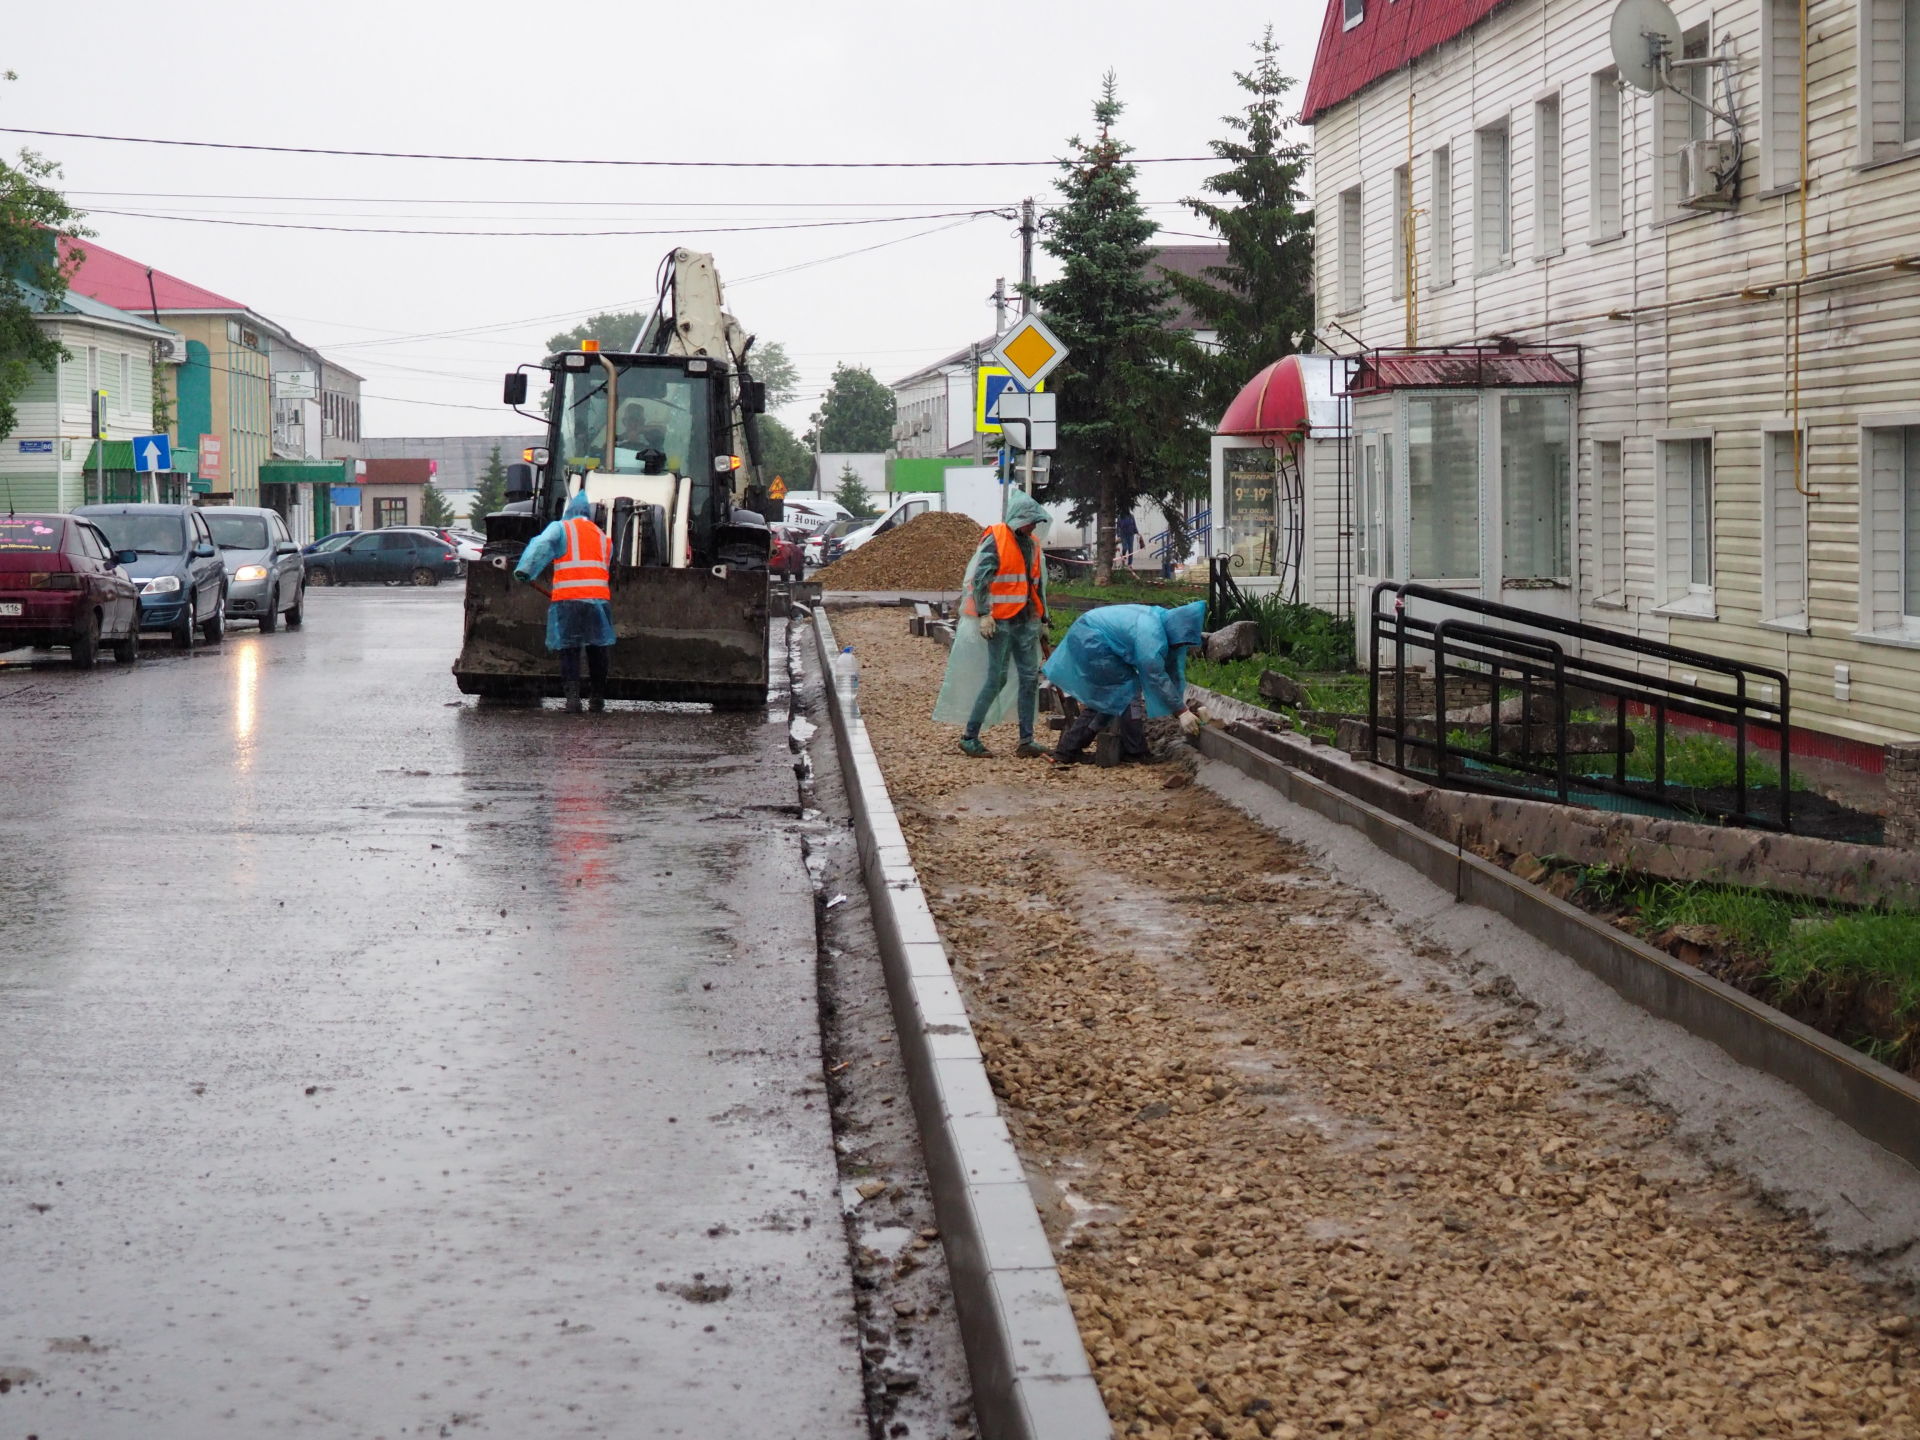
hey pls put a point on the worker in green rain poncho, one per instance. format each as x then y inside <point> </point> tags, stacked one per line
<point>1118,655</point>
<point>1003,617</point>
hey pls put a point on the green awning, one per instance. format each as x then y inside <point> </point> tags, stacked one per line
<point>119,456</point>
<point>303,472</point>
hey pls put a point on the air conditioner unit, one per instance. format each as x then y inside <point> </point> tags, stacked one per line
<point>1708,171</point>
<point>171,349</point>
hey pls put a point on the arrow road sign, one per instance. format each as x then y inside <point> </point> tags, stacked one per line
<point>152,454</point>
<point>1029,420</point>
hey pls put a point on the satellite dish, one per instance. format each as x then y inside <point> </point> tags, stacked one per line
<point>1645,35</point>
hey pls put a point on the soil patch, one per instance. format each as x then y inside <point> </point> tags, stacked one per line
<point>929,552</point>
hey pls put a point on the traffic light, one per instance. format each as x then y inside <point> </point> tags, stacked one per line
<point>99,414</point>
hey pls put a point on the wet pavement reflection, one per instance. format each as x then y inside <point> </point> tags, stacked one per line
<point>374,1064</point>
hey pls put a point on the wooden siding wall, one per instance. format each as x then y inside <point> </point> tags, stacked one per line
<point>1712,363</point>
<point>56,481</point>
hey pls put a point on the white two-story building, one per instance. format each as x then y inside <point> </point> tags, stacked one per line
<point>1647,359</point>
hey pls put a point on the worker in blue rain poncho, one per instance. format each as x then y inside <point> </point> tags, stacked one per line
<point>1116,655</point>
<point>580,614</point>
<point>1003,619</point>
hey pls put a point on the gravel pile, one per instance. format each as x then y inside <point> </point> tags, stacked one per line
<point>1301,1178</point>
<point>929,552</point>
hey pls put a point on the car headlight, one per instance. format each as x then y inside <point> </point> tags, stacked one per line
<point>161,585</point>
<point>251,572</point>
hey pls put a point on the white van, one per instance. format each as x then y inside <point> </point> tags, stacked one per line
<point>811,513</point>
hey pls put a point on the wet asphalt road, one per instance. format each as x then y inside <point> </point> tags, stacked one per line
<point>372,1064</point>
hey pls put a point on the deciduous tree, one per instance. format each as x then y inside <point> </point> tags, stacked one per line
<point>34,217</point>
<point>1126,392</point>
<point>782,455</point>
<point>767,361</point>
<point>856,414</point>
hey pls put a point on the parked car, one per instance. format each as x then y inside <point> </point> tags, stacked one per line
<point>392,556</point>
<point>265,574</point>
<point>183,584</point>
<point>470,544</point>
<point>788,556</point>
<point>63,583</point>
<point>329,542</point>
<point>902,511</point>
<point>828,545</point>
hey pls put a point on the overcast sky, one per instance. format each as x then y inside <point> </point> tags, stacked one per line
<point>746,80</point>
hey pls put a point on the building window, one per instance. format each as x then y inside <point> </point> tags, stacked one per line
<point>1606,215</point>
<point>1890,70</point>
<point>1353,258</point>
<point>1353,12</point>
<point>389,512</point>
<point>1443,486</point>
<point>1402,229</point>
<point>1536,485</point>
<point>1493,198</point>
<point>1440,229</point>
<point>1376,506</point>
<point>123,401</point>
<point>1890,530</point>
<point>1546,176</point>
<point>1611,505</point>
<point>1686,501</point>
<point>1783,568</point>
<point>1679,121</point>
<point>1779,93</point>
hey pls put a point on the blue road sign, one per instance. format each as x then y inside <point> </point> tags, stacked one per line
<point>152,454</point>
<point>996,385</point>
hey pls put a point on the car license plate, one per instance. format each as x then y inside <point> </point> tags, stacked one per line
<point>10,607</point>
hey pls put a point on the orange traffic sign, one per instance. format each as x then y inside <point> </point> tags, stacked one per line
<point>777,490</point>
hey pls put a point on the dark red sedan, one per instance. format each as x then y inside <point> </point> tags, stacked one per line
<point>61,584</point>
<point>789,554</point>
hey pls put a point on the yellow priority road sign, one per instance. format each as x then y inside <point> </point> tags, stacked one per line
<point>1029,350</point>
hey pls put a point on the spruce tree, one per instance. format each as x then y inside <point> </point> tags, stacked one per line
<point>1260,301</point>
<point>490,492</point>
<point>1126,405</point>
<point>852,493</point>
<point>434,509</point>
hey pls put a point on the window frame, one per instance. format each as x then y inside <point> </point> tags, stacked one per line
<point>1680,594</point>
<point>1492,234</point>
<point>1606,204</point>
<point>1440,217</point>
<point>1549,176</point>
<point>1879,537</point>
<point>1789,611</point>
<point>1609,530</point>
<point>1403,237</point>
<point>1352,12</point>
<point>1352,250</point>
<point>1779,148</point>
<point>1887,109</point>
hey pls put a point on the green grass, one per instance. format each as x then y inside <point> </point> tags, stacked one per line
<point>1241,679</point>
<point>1129,590</point>
<point>1843,953</point>
<point>1703,762</point>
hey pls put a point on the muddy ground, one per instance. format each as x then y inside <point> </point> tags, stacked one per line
<point>1300,1180</point>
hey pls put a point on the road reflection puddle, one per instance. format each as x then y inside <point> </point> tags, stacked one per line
<point>246,695</point>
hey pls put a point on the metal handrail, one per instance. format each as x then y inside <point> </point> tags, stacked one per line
<point>1468,650</point>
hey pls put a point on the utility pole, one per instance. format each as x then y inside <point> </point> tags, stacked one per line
<point>973,369</point>
<point>1027,228</point>
<point>1000,306</point>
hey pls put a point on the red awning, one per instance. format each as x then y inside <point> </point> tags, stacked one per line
<point>1274,402</point>
<point>1459,369</point>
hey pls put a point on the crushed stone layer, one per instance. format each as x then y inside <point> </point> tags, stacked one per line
<point>1297,1182</point>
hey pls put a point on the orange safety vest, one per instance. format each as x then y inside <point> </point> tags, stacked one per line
<point>581,574</point>
<point>1013,582</point>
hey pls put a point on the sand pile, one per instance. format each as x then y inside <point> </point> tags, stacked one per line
<point>929,552</point>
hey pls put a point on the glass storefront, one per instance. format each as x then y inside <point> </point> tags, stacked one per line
<point>1443,486</point>
<point>1536,482</point>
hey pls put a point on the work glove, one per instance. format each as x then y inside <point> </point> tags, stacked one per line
<point>1189,723</point>
<point>987,627</point>
<point>1202,714</point>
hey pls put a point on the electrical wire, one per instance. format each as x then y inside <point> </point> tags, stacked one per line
<point>560,160</point>
<point>536,234</point>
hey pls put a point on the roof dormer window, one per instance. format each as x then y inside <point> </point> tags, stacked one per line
<point>1356,11</point>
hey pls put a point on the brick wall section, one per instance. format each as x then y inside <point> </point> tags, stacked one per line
<point>1903,796</point>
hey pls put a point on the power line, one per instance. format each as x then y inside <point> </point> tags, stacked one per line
<point>582,204</point>
<point>536,234</point>
<point>552,160</point>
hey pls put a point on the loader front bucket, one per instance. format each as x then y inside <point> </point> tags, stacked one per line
<point>681,635</point>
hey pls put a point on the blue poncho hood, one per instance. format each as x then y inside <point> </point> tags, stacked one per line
<point>579,507</point>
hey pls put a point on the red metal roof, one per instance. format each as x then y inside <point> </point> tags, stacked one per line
<point>398,472</point>
<point>1391,33</point>
<point>1441,369</point>
<point>117,280</point>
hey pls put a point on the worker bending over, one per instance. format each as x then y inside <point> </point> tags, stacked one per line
<point>1117,654</point>
<point>579,617</point>
<point>1006,596</point>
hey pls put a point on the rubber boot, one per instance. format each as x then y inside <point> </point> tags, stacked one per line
<point>573,697</point>
<point>596,701</point>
